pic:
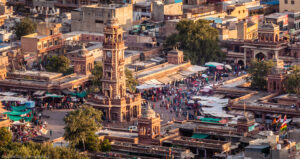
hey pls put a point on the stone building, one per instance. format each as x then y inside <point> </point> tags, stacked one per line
<point>115,103</point>
<point>83,61</point>
<point>277,76</point>
<point>148,126</point>
<point>68,5</point>
<point>93,18</point>
<point>168,28</point>
<point>239,11</point>
<point>163,11</point>
<point>289,5</point>
<point>268,45</point>
<point>31,81</point>
<point>175,56</point>
<point>5,11</point>
<point>246,30</point>
<point>47,39</point>
<point>3,65</point>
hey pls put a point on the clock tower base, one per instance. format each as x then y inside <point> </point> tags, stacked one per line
<point>124,109</point>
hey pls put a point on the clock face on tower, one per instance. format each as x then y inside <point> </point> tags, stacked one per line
<point>108,54</point>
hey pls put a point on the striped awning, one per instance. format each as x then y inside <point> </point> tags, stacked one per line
<point>186,73</point>
<point>165,80</point>
<point>153,81</point>
<point>176,77</point>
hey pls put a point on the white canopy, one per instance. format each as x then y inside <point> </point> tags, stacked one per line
<point>213,63</point>
<point>13,99</point>
<point>153,82</point>
<point>228,67</point>
<point>196,68</point>
<point>147,86</point>
<point>8,93</point>
<point>186,73</point>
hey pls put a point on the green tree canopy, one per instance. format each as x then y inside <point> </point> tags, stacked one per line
<point>5,136</point>
<point>258,71</point>
<point>131,81</point>
<point>58,64</point>
<point>97,73</point>
<point>24,27</point>
<point>292,81</point>
<point>81,124</point>
<point>198,40</point>
<point>105,145</point>
<point>28,149</point>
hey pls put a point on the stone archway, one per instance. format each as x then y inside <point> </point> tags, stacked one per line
<point>260,56</point>
<point>241,63</point>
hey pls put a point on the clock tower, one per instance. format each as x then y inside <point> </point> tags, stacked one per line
<point>115,103</point>
<point>114,80</point>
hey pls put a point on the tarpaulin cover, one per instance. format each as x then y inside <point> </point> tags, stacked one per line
<point>199,136</point>
<point>17,118</point>
<point>18,108</point>
<point>81,94</point>
<point>210,120</point>
<point>14,118</point>
<point>17,113</point>
<point>54,95</point>
<point>30,104</point>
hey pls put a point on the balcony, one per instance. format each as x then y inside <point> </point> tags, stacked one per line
<point>235,54</point>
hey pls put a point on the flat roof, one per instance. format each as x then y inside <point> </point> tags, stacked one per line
<point>155,70</point>
<point>276,15</point>
<point>82,32</point>
<point>116,133</point>
<point>37,73</point>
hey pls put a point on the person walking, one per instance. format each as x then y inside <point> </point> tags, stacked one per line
<point>50,132</point>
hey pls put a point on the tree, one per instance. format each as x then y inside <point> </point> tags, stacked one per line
<point>24,27</point>
<point>97,73</point>
<point>58,64</point>
<point>198,40</point>
<point>258,71</point>
<point>131,81</point>
<point>5,136</point>
<point>5,139</point>
<point>105,145</point>
<point>92,143</point>
<point>80,124</point>
<point>27,149</point>
<point>292,81</point>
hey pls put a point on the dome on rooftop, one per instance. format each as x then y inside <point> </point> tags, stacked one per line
<point>113,22</point>
<point>83,51</point>
<point>149,112</point>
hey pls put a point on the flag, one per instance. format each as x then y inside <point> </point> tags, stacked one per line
<point>274,121</point>
<point>279,119</point>
<point>283,126</point>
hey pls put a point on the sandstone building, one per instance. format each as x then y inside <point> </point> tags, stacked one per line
<point>148,126</point>
<point>289,5</point>
<point>115,103</point>
<point>47,39</point>
<point>68,5</point>
<point>93,18</point>
<point>268,45</point>
<point>83,61</point>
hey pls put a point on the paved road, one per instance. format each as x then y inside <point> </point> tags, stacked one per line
<point>55,122</point>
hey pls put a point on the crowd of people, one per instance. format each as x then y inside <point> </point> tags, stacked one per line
<point>176,97</point>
